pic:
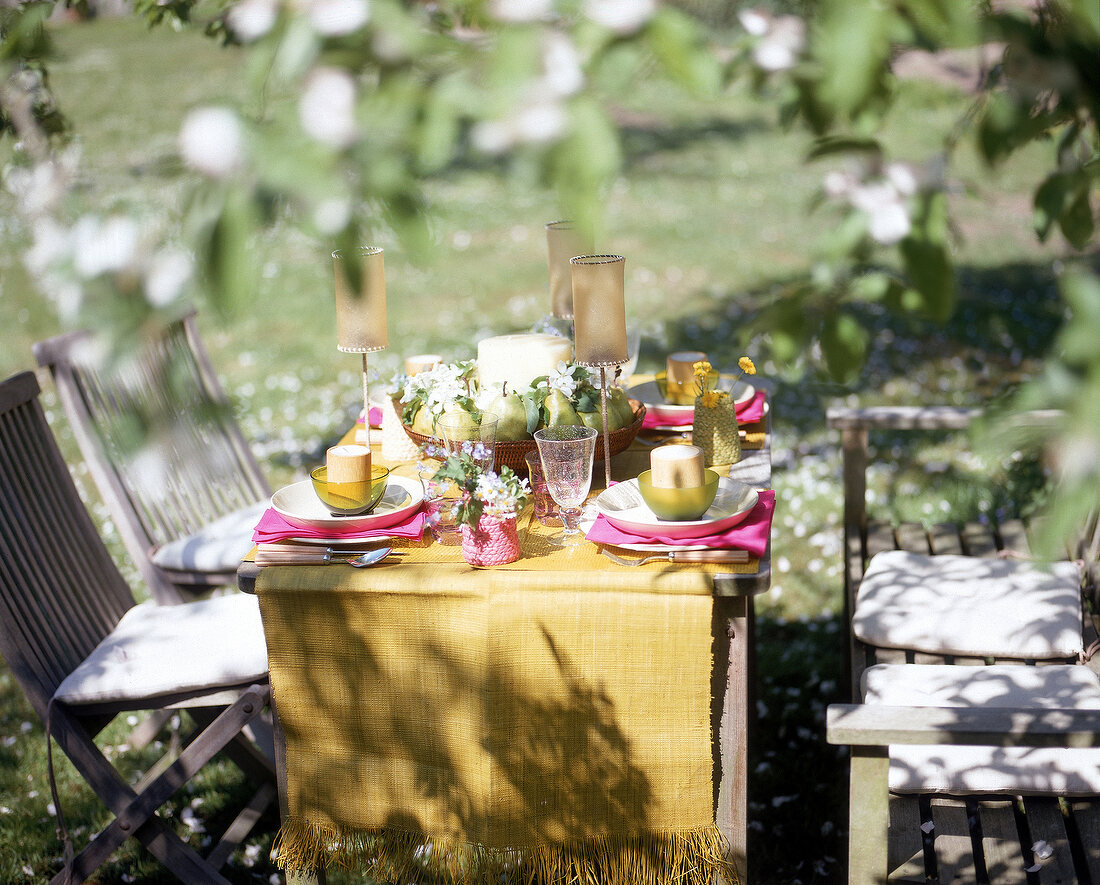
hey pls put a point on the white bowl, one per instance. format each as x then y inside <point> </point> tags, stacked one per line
<point>299,505</point>
<point>622,506</point>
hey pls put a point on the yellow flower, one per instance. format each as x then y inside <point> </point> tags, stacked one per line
<point>747,366</point>
<point>702,369</point>
<point>710,398</point>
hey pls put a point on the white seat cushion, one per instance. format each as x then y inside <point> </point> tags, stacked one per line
<point>964,605</point>
<point>959,770</point>
<point>164,649</point>
<point>218,547</point>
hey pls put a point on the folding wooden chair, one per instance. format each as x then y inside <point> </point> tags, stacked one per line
<point>83,650</point>
<point>173,467</point>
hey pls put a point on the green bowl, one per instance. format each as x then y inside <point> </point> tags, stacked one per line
<point>679,505</point>
<point>350,498</point>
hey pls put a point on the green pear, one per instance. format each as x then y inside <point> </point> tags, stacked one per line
<point>594,419</point>
<point>423,422</point>
<point>559,410</point>
<point>511,417</point>
<point>617,401</point>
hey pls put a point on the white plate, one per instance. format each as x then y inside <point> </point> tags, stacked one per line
<point>299,505</point>
<point>682,427</point>
<point>649,393</point>
<point>623,507</point>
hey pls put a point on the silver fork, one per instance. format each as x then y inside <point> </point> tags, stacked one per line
<point>683,556</point>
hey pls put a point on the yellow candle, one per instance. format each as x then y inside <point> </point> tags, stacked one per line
<point>676,467</point>
<point>348,464</point>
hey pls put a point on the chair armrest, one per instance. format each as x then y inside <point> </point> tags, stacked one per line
<point>901,418</point>
<point>879,725</point>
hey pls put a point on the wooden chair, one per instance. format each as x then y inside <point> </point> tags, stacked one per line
<point>1031,831</point>
<point>174,470</point>
<point>84,651</point>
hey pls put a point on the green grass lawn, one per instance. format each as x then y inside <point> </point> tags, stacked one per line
<point>712,213</point>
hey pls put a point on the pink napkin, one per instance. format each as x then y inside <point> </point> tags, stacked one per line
<point>748,412</point>
<point>375,416</point>
<point>272,527</point>
<point>751,534</point>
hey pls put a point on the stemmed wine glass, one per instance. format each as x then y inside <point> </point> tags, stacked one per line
<point>566,452</point>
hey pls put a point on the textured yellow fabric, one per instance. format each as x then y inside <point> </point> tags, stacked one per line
<point>561,720</point>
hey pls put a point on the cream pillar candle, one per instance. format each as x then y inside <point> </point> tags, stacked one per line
<point>516,360</point>
<point>680,375</point>
<point>348,464</point>
<point>677,467</point>
<point>422,362</point>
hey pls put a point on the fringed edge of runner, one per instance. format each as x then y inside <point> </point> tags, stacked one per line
<point>693,857</point>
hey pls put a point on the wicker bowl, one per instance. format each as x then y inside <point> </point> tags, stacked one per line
<point>511,454</point>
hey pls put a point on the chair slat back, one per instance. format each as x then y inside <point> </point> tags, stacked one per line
<point>158,433</point>
<point>60,591</point>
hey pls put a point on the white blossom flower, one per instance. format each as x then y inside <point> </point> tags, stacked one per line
<point>332,215</point>
<point>781,44</point>
<point>335,18</point>
<point>888,219</point>
<point>621,16</point>
<point>903,178</point>
<point>520,10</point>
<point>104,247</point>
<point>211,141</point>
<point>755,21</point>
<point>326,109</point>
<point>493,136</point>
<point>168,272</point>
<point>561,65</point>
<point>51,244</point>
<point>562,379</point>
<point>250,20</point>
<point>538,123</point>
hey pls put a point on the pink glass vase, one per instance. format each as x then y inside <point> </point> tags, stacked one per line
<point>493,541</point>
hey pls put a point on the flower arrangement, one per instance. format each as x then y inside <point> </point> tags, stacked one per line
<point>484,490</point>
<point>705,376</point>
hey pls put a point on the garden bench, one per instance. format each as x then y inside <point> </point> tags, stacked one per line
<point>1044,836</point>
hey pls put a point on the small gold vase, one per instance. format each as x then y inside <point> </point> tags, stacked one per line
<point>714,430</point>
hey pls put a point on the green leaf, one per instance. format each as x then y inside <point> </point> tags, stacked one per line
<point>1050,202</point>
<point>844,346</point>
<point>844,144</point>
<point>1076,221</point>
<point>677,42</point>
<point>927,260</point>
<point>851,44</point>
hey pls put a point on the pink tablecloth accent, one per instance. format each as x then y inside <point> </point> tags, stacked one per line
<point>751,534</point>
<point>375,417</point>
<point>272,527</point>
<point>748,412</point>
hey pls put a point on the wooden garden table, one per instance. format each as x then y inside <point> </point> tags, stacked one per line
<point>291,595</point>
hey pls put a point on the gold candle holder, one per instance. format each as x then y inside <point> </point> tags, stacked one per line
<point>599,324</point>
<point>361,310</point>
<point>563,241</point>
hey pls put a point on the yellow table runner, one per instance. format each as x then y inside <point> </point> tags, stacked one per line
<point>528,727</point>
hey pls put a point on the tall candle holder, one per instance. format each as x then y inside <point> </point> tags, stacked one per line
<point>599,324</point>
<point>361,311</point>
<point>563,241</point>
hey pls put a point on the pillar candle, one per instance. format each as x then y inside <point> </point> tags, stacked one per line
<point>517,359</point>
<point>422,362</point>
<point>680,369</point>
<point>348,464</point>
<point>361,314</point>
<point>599,310</point>
<point>677,467</point>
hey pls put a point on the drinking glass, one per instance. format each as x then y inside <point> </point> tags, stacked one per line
<point>463,433</point>
<point>546,511</point>
<point>566,452</point>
